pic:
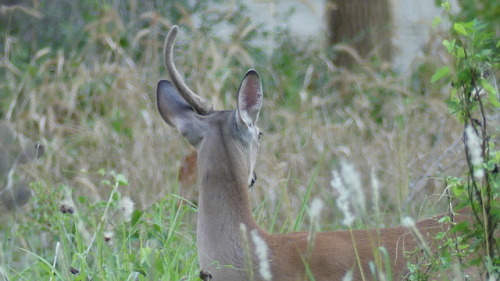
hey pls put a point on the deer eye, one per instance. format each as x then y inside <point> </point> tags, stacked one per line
<point>260,134</point>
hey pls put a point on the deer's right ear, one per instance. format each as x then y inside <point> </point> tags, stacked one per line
<point>178,113</point>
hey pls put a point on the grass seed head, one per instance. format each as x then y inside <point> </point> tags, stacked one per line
<point>261,251</point>
<point>475,151</point>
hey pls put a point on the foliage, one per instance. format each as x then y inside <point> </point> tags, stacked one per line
<point>107,240</point>
<point>486,11</point>
<point>476,65</point>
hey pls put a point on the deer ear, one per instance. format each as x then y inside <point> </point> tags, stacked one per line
<point>250,97</point>
<point>170,103</point>
<point>178,113</point>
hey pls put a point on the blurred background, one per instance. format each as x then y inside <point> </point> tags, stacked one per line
<point>343,80</point>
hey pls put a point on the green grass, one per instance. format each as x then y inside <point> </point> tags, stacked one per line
<point>88,95</point>
<point>47,243</point>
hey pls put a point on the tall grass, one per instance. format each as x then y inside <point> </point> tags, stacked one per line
<point>88,96</point>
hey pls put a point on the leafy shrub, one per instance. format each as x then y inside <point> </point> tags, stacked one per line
<point>473,100</point>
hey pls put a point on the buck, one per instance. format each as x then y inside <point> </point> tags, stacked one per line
<point>227,143</point>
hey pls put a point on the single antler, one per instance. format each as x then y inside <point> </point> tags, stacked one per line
<point>200,105</point>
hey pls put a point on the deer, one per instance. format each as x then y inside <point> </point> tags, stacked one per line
<point>227,144</point>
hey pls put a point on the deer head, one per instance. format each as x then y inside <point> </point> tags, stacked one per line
<point>204,127</point>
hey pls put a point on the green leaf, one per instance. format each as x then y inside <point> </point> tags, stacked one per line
<point>444,219</point>
<point>459,28</point>
<point>457,190</point>
<point>136,215</point>
<point>387,261</point>
<point>463,246</point>
<point>440,74</point>
<point>144,253</point>
<point>436,21</point>
<point>121,179</point>
<point>492,92</point>
<point>440,235</point>
<point>459,227</point>
<point>460,52</point>
<point>490,166</point>
<point>449,45</point>
<point>446,6</point>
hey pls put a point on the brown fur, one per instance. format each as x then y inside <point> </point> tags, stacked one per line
<point>187,177</point>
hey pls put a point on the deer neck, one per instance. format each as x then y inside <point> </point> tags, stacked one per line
<point>224,203</point>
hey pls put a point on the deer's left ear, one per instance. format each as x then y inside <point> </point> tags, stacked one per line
<point>250,97</point>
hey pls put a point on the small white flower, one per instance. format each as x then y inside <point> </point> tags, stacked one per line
<point>126,206</point>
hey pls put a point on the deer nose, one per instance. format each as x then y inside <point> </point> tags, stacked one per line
<point>254,179</point>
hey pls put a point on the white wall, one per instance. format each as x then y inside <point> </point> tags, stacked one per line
<point>306,22</point>
<point>412,24</point>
